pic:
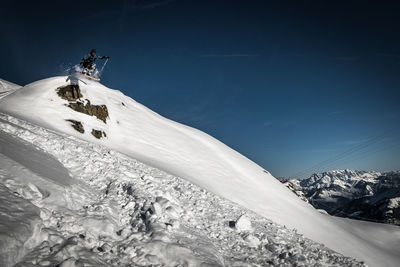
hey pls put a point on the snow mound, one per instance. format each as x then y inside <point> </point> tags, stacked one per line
<point>140,133</point>
<point>243,224</point>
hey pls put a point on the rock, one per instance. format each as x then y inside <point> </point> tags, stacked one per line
<point>100,111</point>
<point>77,125</point>
<point>243,224</point>
<point>232,224</point>
<point>69,92</point>
<point>72,93</point>
<point>98,134</point>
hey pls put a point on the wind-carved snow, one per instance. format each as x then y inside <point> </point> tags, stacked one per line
<point>122,212</point>
<point>33,159</point>
<point>7,88</point>
<point>134,130</point>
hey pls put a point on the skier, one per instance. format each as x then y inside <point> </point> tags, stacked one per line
<point>88,64</point>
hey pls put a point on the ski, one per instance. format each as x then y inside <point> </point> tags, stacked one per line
<point>89,76</point>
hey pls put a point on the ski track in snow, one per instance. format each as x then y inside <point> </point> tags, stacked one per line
<point>121,212</point>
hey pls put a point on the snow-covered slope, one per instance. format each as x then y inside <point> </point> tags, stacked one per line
<point>7,88</point>
<point>67,202</point>
<point>197,157</point>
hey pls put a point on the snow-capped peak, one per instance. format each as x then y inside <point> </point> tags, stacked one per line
<point>339,177</point>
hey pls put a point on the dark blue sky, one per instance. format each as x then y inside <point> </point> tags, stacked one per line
<point>296,86</point>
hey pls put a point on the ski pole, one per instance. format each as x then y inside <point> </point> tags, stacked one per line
<point>102,68</point>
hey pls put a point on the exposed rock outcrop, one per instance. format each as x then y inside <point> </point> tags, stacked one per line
<point>70,92</point>
<point>98,134</point>
<point>100,111</point>
<point>73,94</point>
<point>77,125</point>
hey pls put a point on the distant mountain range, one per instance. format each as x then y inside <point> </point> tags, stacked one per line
<point>371,196</point>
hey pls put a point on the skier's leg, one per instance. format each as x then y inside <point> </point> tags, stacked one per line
<point>92,69</point>
<point>83,67</point>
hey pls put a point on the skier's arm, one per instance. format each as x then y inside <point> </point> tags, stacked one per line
<point>85,57</point>
<point>104,57</point>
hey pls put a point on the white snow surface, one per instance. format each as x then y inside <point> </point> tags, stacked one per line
<point>112,210</point>
<point>7,88</point>
<point>139,133</point>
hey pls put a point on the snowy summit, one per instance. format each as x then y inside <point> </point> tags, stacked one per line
<point>90,177</point>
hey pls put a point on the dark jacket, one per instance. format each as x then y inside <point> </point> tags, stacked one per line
<point>89,59</point>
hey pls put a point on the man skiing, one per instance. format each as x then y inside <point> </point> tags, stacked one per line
<point>88,65</point>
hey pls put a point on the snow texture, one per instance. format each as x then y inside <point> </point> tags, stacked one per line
<point>116,211</point>
<point>7,88</point>
<point>214,178</point>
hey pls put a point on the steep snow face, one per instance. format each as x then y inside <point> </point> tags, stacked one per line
<point>112,210</point>
<point>7,88</point>
<point>197,157</point>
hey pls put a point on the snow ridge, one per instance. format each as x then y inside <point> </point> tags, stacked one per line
<point>7,88</point>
